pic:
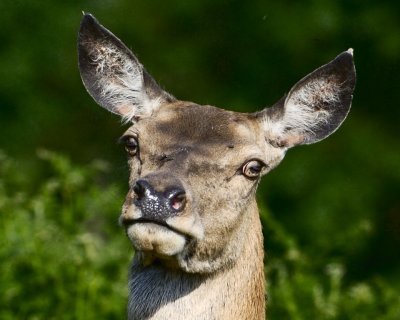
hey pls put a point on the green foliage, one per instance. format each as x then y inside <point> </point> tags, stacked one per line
<point>63,254</point>
<point>301,287</point>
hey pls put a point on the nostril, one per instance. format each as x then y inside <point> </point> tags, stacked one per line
<point>139,189</point>
<point>177,200</point>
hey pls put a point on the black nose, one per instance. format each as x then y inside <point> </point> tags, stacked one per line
<point>140,188</point>
<point>157,205</point>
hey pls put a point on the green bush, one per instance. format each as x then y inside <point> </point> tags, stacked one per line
<point>301,287</point>
<point>63,254</point>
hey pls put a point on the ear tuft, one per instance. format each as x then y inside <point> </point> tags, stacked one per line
<point>112,74</point>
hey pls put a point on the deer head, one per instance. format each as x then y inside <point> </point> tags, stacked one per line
<point>194,169</point>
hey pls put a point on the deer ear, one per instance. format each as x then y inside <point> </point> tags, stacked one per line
<point>112,74</point>
<point>315,107</point>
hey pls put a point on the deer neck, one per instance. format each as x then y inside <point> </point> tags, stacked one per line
<point>235,293</point>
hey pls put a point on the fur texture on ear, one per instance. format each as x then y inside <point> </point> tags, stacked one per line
<point>113,76</point>
<point>315,107</point>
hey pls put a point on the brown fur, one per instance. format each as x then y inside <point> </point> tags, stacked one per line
<point>205,260</point>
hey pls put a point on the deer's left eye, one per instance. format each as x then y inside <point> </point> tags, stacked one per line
<point>131,145</point>
<point>252,169</point>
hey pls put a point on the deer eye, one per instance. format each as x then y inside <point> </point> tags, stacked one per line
<point>131,145</point>
<point>252,169</point>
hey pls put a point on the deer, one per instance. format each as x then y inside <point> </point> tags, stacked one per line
<point>190,211</point>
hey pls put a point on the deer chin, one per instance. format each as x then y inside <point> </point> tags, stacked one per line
<point>159,239</point>
<point>164,239</point>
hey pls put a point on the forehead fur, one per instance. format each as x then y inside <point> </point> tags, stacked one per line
<point>194,124</point>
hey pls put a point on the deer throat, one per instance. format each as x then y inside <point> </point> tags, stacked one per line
<point>158,291</point>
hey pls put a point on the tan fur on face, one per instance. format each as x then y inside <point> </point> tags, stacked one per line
<point>207,152</point>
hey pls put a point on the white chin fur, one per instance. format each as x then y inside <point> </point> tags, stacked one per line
<point>156,238</point>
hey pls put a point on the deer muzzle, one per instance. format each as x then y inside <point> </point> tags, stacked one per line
<point>158,216</point>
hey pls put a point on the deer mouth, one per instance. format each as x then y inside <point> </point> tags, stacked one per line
<point>156,236</point>
<point>129,222</point>
<point>163,236</point>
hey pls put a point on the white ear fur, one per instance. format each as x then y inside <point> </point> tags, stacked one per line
<point>301,108</point>
<point>122,84</point>
<point>315,107</point>
<point>113,76</point>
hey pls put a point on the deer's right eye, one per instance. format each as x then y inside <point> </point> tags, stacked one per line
<point>131,145</point>
<point>252,169</point>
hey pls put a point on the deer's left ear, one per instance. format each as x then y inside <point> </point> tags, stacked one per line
<point>113,76</point>
<point>315,107</point>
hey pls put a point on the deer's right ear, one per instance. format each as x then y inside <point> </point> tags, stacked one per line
<point>113,76</point>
